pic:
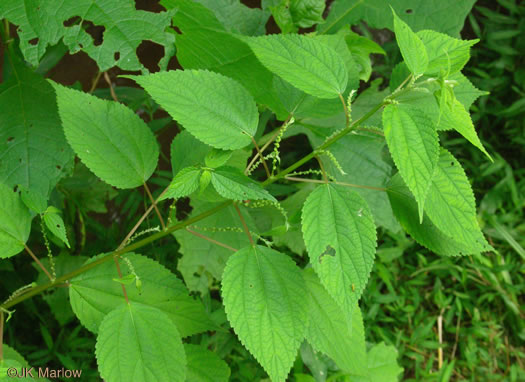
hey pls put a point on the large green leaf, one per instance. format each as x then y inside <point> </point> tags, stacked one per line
<point>109,138</point>
<point>335,333</point>
<point>214,108</point>
<point>33,149</point>
<point>15,222</point>
<point>47,22</point>
<point>340,237</point>
<point>304,62</point>
<point>205,44</point>
<point>94,294</point>
<point>140,343</point>
<point>450,227</point>
<point>445,16</point>
<point>426,233</point>
<point>451,204</point>
<point>205,365</point>
<point>413,142</point>
<point>445,53</point>
<point>233,184</point>
<point>263,294</point>
<point>12,358</point>
<point>412,48</point>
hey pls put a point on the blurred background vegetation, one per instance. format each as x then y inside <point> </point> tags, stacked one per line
<point>479,300</point>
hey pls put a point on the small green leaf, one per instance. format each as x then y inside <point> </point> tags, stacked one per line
<point>55,224</point>
<point>413,142</point>
<point>332,331</point>
<point>340,237</point>
<point>455,115</point>
<point>217,158</point>
<point>204,180</point>
<point>233,184</point>
<point>185,183</point>
<point>412,48</point>
<point>187,151</point>
<point>35,201</point>
<point>15,222</point>
<point>445,52</point>
<point>382,364</point>
<point>126,280</point>
<point>139,343</point>
<point>304,62</point>
<point>263,293</point>
<point>109,138</point>
<point>94,294</point>
<point>216,109</point>
<point>205,365</point>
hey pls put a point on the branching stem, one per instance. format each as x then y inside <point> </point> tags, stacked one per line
<point>111,90</point>
<point>154,204</point>
<point>246,230</point>
<point>339,183</point>
<point>259,152</point>
<point>347,114</point>
<point>120,277</point>
<point>38,262</point>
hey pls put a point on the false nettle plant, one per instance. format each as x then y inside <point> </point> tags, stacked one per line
<point>376,162</point>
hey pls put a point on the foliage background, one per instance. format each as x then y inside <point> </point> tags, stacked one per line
<point>480,299</point>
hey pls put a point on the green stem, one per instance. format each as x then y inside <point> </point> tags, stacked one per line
<point>139,244</point>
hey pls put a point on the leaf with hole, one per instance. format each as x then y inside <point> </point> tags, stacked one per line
<point>15,222</point>
<point>336,220</point>
<point>55,224</point>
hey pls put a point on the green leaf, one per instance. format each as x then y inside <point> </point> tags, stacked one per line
<point>33,200</point>
<point>187,151</point>
<point>204,365</point>
<point>15,222</point>
<point>446,16</point>
<point>304,62</point>
<point>125,28</point>
<point>382,365</point>
<point>203,35</point>
<point>233,184</point>
<point>451,204</point>
<point>14,359</point>
<point>93,294</point>
<point>455,115</point>
<point>412,48</point>
<point>109,138</point>
<point>185,183</point>
<point>203,262</point>
<point>361,48</point>
<point>263,294</point>
<point>306,13</point>
<point>217,158</point>
<point>451,227</point>
<point>445,52</point>
<point>216,109</point>
<point>139,343</point>
<point>334,332</point>
<point>55,224</point>
<point>426,233</point>
<point>413,142</point>
<point>340,237</point>
<point>237,17</point>
<point>33,149</point>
